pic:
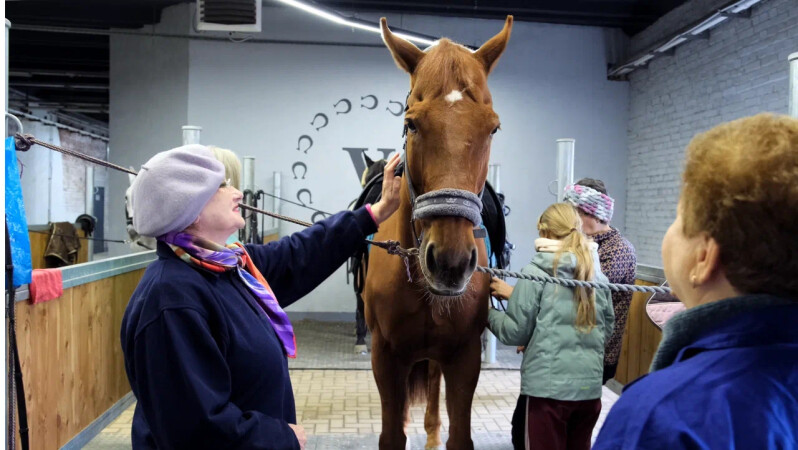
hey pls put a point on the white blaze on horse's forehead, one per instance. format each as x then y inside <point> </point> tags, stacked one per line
<point>454,96</point>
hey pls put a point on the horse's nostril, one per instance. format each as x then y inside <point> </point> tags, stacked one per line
<point>430,257</point>
<point>472,264</point>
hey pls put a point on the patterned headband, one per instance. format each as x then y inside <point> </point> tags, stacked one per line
<point>590,201</point>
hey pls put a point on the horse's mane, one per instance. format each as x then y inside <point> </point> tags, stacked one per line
<point>452,66</point>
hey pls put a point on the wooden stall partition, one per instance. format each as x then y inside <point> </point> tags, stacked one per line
<point>71,358</point>
<point>38,243</point>
<point>640,341</point>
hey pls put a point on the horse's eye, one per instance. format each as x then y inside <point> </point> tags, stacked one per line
<point>410,125</point>
<point>495,130</point>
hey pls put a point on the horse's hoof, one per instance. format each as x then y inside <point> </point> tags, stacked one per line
<point>361,349</point>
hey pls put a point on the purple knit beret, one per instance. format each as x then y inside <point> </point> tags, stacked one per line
<point>172,187</point>
<point>590,201</point>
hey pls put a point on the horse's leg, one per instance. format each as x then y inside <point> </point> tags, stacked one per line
<point>432,418</point>
<point>461,373</point>
<point>360,324</point>
<point>391,377</point>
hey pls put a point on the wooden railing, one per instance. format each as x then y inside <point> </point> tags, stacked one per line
<point>70,350</point>
<point>641,339</point>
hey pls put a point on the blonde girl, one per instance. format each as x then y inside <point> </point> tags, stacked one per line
<point>563,330</point>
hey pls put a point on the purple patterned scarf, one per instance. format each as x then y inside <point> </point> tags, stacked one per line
<point>200,252</point>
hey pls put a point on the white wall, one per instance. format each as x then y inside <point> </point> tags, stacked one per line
<point>148,105</point>
<point>259,98</point>
<point>741,70</point>
<point>42,178</point>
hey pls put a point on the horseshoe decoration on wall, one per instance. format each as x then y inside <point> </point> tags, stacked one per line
<point>304,137</point>
<point>345,102</point>
<point>373,97</point>
<point>299,164</point>
<point>318,215</point>
<point>299,197</point>
<point>398,111</point>
<point>301,167</point>
<point>324,117</point>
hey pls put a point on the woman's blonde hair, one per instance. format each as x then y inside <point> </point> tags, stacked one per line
<point>561,221</point>
<point>232,165</point>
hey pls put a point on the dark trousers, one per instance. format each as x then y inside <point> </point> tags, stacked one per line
<point>517,422</point>
<point>609,373</point>
<point>555,424</point>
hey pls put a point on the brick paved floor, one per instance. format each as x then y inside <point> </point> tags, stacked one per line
<point>341,409</point>
<point>339,406</point>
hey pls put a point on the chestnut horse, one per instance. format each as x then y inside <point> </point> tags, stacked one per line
<point>432,324</point>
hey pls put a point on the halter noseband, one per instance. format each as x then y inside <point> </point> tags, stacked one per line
<point>445,202</point>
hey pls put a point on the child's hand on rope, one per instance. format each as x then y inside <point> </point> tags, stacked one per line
<point>500,289</point>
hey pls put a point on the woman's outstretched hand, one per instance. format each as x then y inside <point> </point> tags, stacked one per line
<point>389,202</point>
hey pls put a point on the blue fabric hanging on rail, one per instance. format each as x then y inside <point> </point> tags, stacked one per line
<point>15,219</point>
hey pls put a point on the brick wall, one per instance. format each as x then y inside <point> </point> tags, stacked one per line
<point>740,70</point>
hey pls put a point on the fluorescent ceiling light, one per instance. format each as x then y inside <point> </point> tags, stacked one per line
<point>707,24</point>
<point>672,43</point>
<point>744,5</point>
<point>354,23</point>
<point>643,60</point>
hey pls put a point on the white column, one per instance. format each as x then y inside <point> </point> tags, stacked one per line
<point>793,84</point>
<point>565,165</point>
<point>494,178</point>
<point>277,192</point>
<point>191,134</point>
<point>89,200</point>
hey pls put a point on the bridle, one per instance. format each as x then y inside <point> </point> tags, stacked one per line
<point>446,202</point>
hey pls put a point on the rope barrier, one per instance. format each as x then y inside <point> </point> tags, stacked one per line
<point>24,142</point>
<point>116,241</point>
<point>616,287</point>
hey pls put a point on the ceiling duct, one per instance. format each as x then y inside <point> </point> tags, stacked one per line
<point>229,15</point>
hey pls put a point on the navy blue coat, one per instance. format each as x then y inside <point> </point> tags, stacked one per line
<point>202,358</point>
<point>735,386</point>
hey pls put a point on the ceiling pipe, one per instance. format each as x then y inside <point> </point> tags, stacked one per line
<point>193,37</point>
<point>56,85</point>
<point>57,125</point>
<point>28,73</point>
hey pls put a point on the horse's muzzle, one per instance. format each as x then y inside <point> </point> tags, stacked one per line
<point>448,271</point>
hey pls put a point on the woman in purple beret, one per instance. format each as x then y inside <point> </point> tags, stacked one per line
<point>205,335</point>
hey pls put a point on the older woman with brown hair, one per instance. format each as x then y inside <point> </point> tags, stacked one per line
<point>726,372</point>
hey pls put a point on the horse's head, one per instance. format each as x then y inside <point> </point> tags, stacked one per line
<point>449,123</point>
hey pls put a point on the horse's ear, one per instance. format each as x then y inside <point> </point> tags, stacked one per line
<point>404,52</point>
<point>489,53</point>
<point>368,160</point>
